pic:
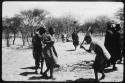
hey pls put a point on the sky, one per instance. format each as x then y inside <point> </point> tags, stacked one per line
<point>80,10</point>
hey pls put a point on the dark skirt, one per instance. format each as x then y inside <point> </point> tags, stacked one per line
<point>50,55</point>
<point>100,63</point>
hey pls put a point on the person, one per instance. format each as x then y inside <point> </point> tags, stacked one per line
<point>112,44</point>
<point>37,48</point>
<point>62,37</point>
<point>88,33</point>
<point>117,45</point>
<point>50,53</point>
<point>119,30</point>
<point>75,39</point>
<point>102,56</point>
<point>109,42</point>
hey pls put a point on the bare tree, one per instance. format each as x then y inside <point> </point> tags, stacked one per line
<point>101,22</point>
<point>15,23</point>
<point>98,25</point>
<point>6,23</point>
<point>31,21</point>
<point>120,14</point>
<point>61,25</point>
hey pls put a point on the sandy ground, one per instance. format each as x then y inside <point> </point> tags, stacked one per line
<point>18,64</point>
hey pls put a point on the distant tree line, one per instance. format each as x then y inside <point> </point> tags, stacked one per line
<point>28,21</point>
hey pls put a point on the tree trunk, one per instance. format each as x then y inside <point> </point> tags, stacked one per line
<point>27,40</point>
<point>23,38</point>
<point>8,45</point>
<point>23,41</point>
<point>14,38</point>
<point>7,38</point>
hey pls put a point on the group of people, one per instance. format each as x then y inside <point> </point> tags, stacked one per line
<point>44,50</point>
<point>108,53</point>
<point>113,43</point>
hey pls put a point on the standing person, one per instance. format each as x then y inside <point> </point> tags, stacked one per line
<point>62,37</point>
<point>119,30</point>
<point>101,59</point>
<point>50,53</point>
<point>108,43</point>
<point>37,48</point>
<point>116,46</point>
<point>75,39</point>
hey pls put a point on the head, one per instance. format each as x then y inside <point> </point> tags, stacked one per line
<point>51,31</point>
<point>117,27</point>
<point>42,30</point>
<point>88,39</point>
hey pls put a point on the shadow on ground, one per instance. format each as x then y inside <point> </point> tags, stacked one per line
<point>27,73</point>
<point>38,77</point>
<point>71,50</point>
<point>108,70</point>
<point>32,67</point>
<point>82,80</point>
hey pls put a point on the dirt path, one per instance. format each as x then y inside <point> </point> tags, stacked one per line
<point>18,65</point>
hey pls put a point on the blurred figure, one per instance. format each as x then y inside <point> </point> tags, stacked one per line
<point>50,53</point>
<point>121,31</point>
<point>37,48</point>
<point>75,39</point>
<point>117,44</point>
<point>109,39</point>
<point>102,56</point>
<point>112,44</point>
<point>62,37</point>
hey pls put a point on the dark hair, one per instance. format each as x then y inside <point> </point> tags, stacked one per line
<point>88,37</point>
<point>117,28</point>
<point>41,30</point>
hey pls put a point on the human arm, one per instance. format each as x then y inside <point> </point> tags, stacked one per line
<point>88,50</point>
<point>49,40</point>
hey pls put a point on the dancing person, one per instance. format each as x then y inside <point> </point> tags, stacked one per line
<point>109,41</point>
<point>112,44</point>
<point>102,56</point>
<point>50,53</point>
<point>37,48</point>
<point>116,46</point>
<point>88,33</point>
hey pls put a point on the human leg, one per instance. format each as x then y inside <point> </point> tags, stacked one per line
<point>96,75</point>
<point>37,60</point>
<point>42,60</point>
<point>51,72</point>
<point>103,75</point>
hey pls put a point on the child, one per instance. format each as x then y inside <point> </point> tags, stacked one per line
<point>102,56</point>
